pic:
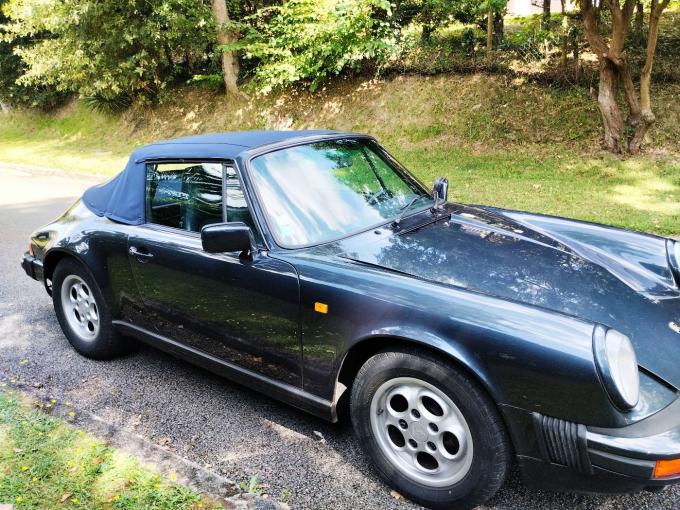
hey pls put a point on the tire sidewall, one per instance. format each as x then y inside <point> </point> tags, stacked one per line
<point>105,343</point>
<point>386,366</point>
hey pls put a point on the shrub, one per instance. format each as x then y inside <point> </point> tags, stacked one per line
<point>310,40</point>
<point>111,52</point>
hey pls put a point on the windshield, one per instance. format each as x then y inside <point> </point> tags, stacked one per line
<point>323,191</point>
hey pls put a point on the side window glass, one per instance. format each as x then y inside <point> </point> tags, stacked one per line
<point>237,207</point>
<point>187,196</point>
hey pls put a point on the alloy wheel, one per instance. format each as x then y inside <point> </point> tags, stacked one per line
<point>422,431</point>
<point>79,307</point>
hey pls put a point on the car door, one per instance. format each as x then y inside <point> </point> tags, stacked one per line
<point>243,310</point>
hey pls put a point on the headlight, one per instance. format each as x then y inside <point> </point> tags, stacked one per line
<point>617,364</point>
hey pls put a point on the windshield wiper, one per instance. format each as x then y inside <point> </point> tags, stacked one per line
<point>397,220</point>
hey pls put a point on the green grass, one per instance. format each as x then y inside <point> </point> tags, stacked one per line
<point>46,463</point>
<point>640,193</point>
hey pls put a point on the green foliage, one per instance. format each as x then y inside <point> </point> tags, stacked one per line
<point>109,51</point>
<point>12,67</point>
<point>310,40</point>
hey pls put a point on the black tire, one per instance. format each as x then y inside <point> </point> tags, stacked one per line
<point>107,343</point>
<point>491,454</point>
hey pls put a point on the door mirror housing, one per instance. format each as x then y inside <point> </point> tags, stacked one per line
<point>226,237</point>
<point>440,190</point>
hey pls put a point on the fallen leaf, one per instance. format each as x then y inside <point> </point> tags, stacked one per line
<point>66,496</point>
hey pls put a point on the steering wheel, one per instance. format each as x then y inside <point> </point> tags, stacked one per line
<point>375,196</point>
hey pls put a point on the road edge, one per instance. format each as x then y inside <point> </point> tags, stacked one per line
<point>189,473</point>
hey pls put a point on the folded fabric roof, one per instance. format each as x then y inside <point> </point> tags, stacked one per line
<point>122,198</point>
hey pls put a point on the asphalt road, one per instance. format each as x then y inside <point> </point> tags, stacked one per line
<point>229,429</point>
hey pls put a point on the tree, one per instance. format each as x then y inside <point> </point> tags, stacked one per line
<point>639,21</point>
<point>109,51</point>
<point>489,32</point>
<point>310,40</point>
<point>12,68</point>
<point>226,37</point>
<point>615,71</point>
<point>491,10</point>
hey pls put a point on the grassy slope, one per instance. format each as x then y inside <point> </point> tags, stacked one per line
<point>498,141</point>
<point>45,463</point>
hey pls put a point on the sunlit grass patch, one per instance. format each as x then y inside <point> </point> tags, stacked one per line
<point>641,193</point>
<point>46,463</point>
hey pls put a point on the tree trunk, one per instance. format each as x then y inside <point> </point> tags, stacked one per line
<point>609,108</point>
<point>546,14</point>
<point>230,66</point>
<point>489,34</point>
<point>647,117</point>
<point>576,56</point>
<point>498,29</point>
<point>639,22</point>
<point>631,94</point>
<point>426,34</point>
<point>564,37</point>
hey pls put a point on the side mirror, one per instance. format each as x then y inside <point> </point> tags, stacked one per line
<point>440,190</point>
<point>226,237</point>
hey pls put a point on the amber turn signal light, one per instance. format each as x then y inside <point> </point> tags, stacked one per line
<point>666,468</point>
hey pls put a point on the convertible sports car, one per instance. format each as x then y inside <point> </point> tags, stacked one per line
<point>312,266</point>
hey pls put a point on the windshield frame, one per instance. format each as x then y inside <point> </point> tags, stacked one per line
<point>264,214</point>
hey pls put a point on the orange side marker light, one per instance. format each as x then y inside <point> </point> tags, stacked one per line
<point>666,468</point>
<point>320,307</point>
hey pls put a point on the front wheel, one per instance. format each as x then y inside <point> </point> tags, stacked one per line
<point>432,433</point>
<point>83,313</point>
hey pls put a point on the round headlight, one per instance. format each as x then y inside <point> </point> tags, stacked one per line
<point>617,363</point>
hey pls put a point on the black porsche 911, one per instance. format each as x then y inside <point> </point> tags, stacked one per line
<point>313,267</point>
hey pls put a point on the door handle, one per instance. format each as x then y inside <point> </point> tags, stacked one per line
<point>142,256</point>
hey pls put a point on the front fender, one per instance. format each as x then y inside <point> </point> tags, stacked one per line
<point>526,357</point>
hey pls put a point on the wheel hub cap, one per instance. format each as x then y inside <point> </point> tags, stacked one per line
<point>80,307</point>
<point>421,431</point>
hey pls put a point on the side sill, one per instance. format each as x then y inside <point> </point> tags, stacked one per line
<point>292,395</point>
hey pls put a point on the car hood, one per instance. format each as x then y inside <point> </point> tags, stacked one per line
<point>606,275</point>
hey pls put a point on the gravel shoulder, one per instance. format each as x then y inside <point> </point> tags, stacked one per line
<point>225,428</point>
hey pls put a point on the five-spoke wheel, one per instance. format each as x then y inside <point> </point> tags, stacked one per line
<point>432,432</point>
<point>80,307</point>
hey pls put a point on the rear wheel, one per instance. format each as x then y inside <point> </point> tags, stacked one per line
<point>432,433</point>
<point>83,313</point>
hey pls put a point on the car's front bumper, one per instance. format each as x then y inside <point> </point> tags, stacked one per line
<point>562,455</point>
<point>33,266</point>
<point>633,451</point>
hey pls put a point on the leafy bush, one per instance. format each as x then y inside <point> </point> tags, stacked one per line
<point>12,67</point>
<point>310,40</point>
<point>109,51</point>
